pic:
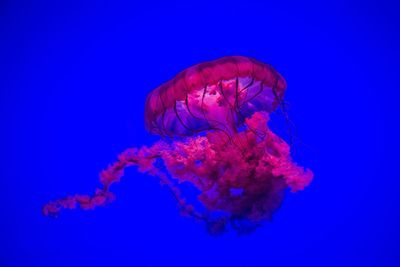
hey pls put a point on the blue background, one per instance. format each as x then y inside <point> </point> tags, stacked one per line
<point>73,84</point>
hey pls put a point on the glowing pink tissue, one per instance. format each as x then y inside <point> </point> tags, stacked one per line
<point>214,116</point>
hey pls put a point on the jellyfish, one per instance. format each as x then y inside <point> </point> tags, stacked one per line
<point>213,122</point>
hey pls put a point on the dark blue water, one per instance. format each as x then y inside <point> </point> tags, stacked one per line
<point>73,84</point>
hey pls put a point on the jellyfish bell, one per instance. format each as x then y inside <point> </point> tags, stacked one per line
<point>220,112</point>
<point>218,94</point>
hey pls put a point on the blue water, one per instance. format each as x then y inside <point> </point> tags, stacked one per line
<point>73,84</point>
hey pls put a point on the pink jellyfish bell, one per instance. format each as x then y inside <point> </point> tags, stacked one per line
<point>216,117</point>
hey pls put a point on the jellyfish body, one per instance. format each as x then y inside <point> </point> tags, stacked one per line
<point>216,117</point>
<point>216,95</point>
